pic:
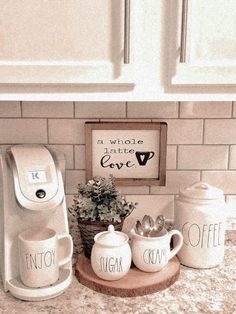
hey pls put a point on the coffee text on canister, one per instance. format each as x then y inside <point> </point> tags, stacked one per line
<point>202,235</point>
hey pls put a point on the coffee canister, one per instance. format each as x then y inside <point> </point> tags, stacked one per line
<point>200,215</point>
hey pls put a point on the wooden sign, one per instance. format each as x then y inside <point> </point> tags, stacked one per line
<point>134,153</point>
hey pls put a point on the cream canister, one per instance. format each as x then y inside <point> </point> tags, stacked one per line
<point>151,254</point>
<point>200,215</point>
<point>111,254</point>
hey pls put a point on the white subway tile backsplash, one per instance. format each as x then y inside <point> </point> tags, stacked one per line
<point>67,150</point>
<point>73,178</point>
<point>80,157</point>
<point>203,157</point>
<point>70,131</point>
<point>10,109</point>
<point>23,131</point>
<point>186,131</point>
<point>52,109</point>
<point>153,206</point>
<point>201,143</point>
<point>100,110</point>
<point>176,180</point>
<point>234,109</point>
<point>171,157</point>
<point>152,109</point>
<point>220,131</point>
<point>232,160</point>
<point>134,190</point>
<point>225,180</point>
<point>204,109</point>
<point>69,200</point>
<point>126,120</point>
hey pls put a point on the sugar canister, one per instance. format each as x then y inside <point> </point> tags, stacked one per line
<point>200,215</point>
<point>111,254</point>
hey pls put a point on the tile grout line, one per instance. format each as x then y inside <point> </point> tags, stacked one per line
<point>73,109</point>
<point>47,123</point>
<point>126,109</point>
<point>111,119</point>
<point>179,104</point>
<point>229,154</point>
<point>199,144</point>
<point>21,110</point>
<point>177,146</point>
<point>201,175</point>
<point>73,146</point>
<point>177,157</point>
<point>203,131</point>
<point>203,169</point>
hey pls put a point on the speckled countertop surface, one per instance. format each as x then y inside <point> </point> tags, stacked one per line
<point>196,291</point>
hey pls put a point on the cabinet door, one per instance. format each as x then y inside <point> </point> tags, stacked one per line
<point>203,35</point>
<point>65,41</point>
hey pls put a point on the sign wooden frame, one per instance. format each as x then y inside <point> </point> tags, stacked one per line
<point>148,136</point>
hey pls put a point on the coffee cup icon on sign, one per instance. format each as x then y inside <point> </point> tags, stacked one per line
<point>143,157</point>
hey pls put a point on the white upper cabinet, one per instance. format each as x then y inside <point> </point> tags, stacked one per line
<point>203,42</point>
<point>127,50</point>
<point>66,41</point>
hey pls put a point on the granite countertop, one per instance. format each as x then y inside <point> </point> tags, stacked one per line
<point>196,291</point>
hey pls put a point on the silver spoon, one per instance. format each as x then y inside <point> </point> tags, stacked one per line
<point>158,226</point>
<point>159,223</point>
<point>147,225</point>
<point>138,228</point>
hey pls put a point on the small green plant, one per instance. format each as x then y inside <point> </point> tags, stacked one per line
<point>99,200</point>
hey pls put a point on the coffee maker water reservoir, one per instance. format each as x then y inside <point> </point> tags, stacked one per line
<point>31,195</point>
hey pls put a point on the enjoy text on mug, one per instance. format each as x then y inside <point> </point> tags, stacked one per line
<point>38,256</point>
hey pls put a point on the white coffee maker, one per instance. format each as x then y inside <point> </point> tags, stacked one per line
<point>31,194</point>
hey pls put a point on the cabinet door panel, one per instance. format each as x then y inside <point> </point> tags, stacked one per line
<point>62,41</point>
<point>210,42</point>
<point>212,31</point>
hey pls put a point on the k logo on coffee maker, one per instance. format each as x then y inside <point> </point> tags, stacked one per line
<point>143,157</point>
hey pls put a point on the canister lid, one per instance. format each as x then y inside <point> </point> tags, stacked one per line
<point>111,237</point>
<point>202,190</point>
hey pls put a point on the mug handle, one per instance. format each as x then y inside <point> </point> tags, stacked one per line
<point>67,258</point>
<point>179,243</point>
<point>151,155</point>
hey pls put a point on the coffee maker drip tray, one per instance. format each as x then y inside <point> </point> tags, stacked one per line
<point>20,291</point>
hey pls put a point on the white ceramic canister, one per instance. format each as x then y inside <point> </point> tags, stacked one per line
<point>151,254</point>
<point>111,254</point>
<point>200,215</point>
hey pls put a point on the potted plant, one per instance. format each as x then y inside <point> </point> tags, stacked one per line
<point>97,204</point>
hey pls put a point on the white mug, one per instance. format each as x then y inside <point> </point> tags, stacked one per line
<point>151,254</point>
<point>40,253</point>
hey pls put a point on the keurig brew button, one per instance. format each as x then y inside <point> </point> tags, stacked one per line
<point>40,193</point>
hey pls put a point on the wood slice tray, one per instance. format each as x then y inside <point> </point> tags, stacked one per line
<point>135,283</point>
